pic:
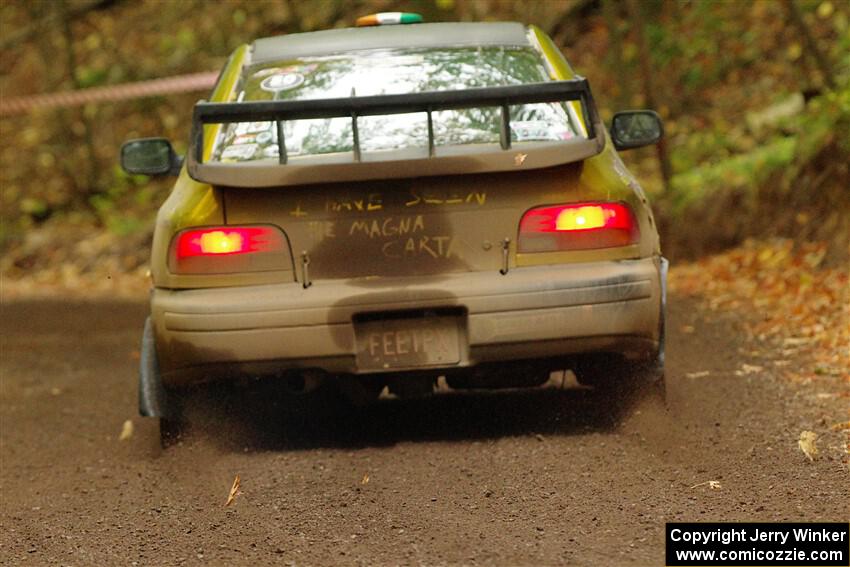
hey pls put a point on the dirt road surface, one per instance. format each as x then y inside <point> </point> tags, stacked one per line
<point>541,477</point>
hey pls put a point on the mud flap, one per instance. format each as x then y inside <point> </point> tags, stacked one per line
<point>665,265</point>
<point>656,367</point>
<point>153,399</point>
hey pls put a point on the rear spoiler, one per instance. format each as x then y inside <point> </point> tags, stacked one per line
<point>406,162</point>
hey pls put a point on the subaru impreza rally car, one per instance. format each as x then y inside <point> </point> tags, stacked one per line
<point>381,206</point>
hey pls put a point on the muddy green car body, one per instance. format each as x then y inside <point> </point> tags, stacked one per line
<point>392,263</point>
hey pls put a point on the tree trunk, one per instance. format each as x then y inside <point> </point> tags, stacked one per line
<point>812,48</point>
<point>91,184</point>
<point>636,11</point>
<point>610,12</point>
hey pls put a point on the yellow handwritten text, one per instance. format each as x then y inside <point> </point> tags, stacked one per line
<point>423,245</point>
<point>389,226</point>
<point>320,230</point>
<point>297,212</point>
<point>450,198</point>
<point>372,202</point>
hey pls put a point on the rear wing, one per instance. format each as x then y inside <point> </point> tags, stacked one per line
<point>405,162</point>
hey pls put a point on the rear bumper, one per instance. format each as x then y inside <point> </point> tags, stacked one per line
<point>529,313</point>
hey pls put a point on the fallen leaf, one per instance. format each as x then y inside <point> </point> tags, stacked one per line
<point>840,426</point>
<point>748,369</point>
<point>790,288</point>
<point>55,391</point>
<point>126,431</point>
<point>365,479</point>
<point>701,374</point>
<point>234,491</point>
<point>712,484</point>
<point>808,444</point>
<point>539,437</point>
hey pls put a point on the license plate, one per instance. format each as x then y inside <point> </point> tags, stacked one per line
<point>407,343</point>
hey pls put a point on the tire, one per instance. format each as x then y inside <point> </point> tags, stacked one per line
<point>611,373</point>
<point>605,371</point>
<point>360,390</point>
<point>173,426</point>
<point>171,431</point>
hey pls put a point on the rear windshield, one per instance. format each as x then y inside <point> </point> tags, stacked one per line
<point>394,71</point>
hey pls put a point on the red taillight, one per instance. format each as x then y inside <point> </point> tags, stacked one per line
<point>224,240</point>
<point>577,226</point>
<point>228,249</point>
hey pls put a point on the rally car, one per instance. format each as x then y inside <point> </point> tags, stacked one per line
<point>383,205</point>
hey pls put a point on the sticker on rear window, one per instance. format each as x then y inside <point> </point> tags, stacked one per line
<point>264,138</point>
<point>244,139</point>
<point>243,128</point>
<point>293,149</point>
<point>245,151</point>
<point>531,130</point>
<point>282,82</point>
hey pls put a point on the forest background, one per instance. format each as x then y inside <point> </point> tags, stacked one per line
<point>755,97</point>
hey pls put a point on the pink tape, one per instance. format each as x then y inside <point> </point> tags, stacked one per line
<point>181,84</point>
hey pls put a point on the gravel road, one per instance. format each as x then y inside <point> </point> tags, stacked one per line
<point>514,478</point>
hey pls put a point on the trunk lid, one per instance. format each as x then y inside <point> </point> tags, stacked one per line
<point>403,227</point>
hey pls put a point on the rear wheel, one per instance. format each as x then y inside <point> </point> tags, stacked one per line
<point>360,390</point>
<point>611,372</point>
<point>604,371</point>
<point>170,431</point>
<point>173,426</point>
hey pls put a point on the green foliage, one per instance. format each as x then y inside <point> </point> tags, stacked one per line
<point>795,186</point>
<point>127,206</point>
<point>91,77</point>
<point>744,171</point>
<point>34,207</point>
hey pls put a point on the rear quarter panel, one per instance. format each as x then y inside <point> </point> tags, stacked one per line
<point>191,203</point>
<point>605,171</point>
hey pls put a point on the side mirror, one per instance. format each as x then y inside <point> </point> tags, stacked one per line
<point>150,156</point>
<point>635,129</point>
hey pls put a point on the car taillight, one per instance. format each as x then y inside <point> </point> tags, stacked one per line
<point>577,226</point>
<point>229,249</point>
